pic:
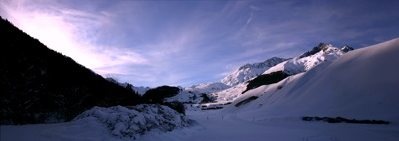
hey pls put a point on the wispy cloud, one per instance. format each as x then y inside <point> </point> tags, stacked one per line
<point>187,42</point>
<point>70,32</point>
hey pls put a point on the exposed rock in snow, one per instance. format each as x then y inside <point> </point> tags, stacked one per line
<point>250,71</point>
<point>323,52</point>
<point>346,48</point>
<point>130,122</point>
<point>318,48</point>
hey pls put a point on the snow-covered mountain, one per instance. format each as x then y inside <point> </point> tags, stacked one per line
<point>195,93</point>
<point>321,53</point>
<point>360,84</point>
<point>249,71</point>
<point>207,87</point>
<point>304,62</point>
<point>235,83</point>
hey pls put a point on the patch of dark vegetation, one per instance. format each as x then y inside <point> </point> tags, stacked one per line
<point>343,120</point>
<point>245,101</point>
<point>227,103</point>
<point>206,99</point>
<point>158,94</point>
<point>40,85</point>
<point>266,79</point>
<point>212,108</point>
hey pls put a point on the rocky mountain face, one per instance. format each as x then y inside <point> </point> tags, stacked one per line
<point>250,71</point>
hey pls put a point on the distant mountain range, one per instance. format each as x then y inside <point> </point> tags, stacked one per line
<point>250,76</point>
<point>249,71</point>
<point>360,84</point>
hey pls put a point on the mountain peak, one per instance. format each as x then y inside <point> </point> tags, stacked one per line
<point>346,48</point>
<point>249,71</point>
<point>322,52</point>
<point>316,49</point>
<point>268,62</point>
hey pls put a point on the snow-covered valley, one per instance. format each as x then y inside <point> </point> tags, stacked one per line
<point>214,126</point>
<point>361,84</point>
<point>199,70</point>
<point>217,125</point>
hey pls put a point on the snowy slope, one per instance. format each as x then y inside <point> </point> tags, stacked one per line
<point>319,54</point>
<point>186,97</point>
<point>235,83</point>
<point>207,87</point>
<point>194,93</point>
<point>230,86</point>
<point>250,71</point>
<point>230,93</point>
<point>310,59</point>
<point>360,84</point>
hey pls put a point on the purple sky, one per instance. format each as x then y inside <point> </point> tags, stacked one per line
<point>184,42</point>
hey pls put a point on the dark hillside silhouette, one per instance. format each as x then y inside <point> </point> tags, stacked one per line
<point>40,85</point>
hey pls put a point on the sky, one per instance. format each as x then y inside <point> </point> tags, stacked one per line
<point>186,42</point>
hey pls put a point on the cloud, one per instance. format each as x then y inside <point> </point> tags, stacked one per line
<point>249,19</point>
<point>153,43</point>
<point>255,8</point>
<point>70,32</point>
<point>80,34</point>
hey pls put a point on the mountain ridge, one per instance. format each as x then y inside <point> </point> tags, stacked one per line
<point>249,71</point>
<point>39,85</point>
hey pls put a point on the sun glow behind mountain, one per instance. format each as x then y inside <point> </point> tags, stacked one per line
<point>69,32</point>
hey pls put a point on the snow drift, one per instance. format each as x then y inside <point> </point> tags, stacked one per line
<point>130,122</point>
